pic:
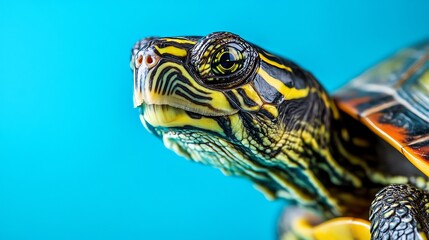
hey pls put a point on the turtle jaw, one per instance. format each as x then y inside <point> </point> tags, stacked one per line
<point>161,115</point>
<point>162,118</point>
<point>166,116</point>
<point>167,112</point>
<point>138,98</point>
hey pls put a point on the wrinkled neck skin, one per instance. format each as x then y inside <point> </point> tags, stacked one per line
<point>311,159</point>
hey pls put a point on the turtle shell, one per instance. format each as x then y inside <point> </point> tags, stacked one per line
<point>392,100</point>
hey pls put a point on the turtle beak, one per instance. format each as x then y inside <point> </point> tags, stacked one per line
<point>144,61</point>
<point>138,94</point>
<point>136,65</point>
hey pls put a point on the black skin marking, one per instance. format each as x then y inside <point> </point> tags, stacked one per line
<point>192,94</point>
<point>248,101</point>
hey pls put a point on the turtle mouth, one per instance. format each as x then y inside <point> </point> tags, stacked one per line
<point>161,115</point>
<point>176,106</point>
<point>174,115</point>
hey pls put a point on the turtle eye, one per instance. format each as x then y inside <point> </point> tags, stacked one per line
<point>223,60</point>
<point>226,61</point>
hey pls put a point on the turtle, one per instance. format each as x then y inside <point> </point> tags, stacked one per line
<point>338,159</point>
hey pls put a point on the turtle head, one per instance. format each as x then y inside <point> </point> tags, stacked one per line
<point>223,101</point>
<point>177,78</point>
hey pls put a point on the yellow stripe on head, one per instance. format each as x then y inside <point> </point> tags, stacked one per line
<point>287,92</point>
<point>178,40</point>
<point>250,93</point>
<point>213,103</point>
<point>275,64</point>
<point>172,50</point>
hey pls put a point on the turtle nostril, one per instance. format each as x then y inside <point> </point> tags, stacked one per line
<point>149,60</point>
<point>140,60</point>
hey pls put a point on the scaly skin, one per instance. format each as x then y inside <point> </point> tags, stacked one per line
<point>400,212</point>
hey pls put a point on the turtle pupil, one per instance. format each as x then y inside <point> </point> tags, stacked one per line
<point>227,60</point>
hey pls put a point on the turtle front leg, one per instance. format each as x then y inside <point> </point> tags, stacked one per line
<point>400,212</point>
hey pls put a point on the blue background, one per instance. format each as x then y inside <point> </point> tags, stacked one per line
<point>75,162</point>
